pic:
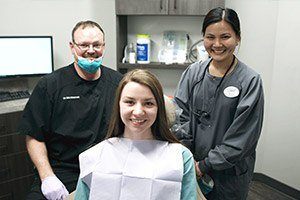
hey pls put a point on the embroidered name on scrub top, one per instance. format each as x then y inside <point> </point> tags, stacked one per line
<point>71,97</point>
<point>133,169</point>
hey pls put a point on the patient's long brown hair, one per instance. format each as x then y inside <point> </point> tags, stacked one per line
<point>160,127</point>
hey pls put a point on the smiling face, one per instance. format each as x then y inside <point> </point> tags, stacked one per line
<point>220,41</point>
<point>138,111</point>
<point>88,43</point>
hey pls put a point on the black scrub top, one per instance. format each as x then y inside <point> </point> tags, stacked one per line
<point>69,113</point>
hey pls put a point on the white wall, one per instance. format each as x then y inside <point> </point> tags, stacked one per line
<point>270,45</point>
<point>282,151</point>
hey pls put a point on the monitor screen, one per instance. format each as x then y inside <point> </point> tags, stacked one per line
<point>25,55</point>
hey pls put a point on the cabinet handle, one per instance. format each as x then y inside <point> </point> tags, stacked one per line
<point>161,4</point>
<point>175,6</point>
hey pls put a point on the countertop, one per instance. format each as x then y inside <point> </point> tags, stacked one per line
<point>12,106</point>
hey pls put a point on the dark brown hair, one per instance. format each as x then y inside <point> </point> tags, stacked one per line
<point>160,127</point>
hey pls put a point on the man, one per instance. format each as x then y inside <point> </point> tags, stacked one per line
<point>68,112</point>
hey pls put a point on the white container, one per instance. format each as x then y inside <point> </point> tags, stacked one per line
<point>143,48</point>
<point>131,53</point>
<point>132,57</point>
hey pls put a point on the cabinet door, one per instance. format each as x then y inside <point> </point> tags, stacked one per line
<point>193,7</point>
<point>14,166</point>
<point>16,189</point>
<point>9,123</point>
<point>141,7</point>
<point>13,143</point>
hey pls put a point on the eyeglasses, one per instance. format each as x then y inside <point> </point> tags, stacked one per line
<point>85,47</point>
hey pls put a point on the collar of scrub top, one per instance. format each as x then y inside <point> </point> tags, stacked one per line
<point>200,113</point>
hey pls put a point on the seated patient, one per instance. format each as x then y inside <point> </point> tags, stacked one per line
<point>140,158</point>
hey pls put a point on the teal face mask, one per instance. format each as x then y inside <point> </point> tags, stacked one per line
<point>90,67</point>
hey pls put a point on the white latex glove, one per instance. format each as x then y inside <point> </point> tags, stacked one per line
<point>53,188</point>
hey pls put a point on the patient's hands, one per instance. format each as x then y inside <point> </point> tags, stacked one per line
<point>53,189</point>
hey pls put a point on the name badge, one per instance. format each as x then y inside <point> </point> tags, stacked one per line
<point>231,92</point>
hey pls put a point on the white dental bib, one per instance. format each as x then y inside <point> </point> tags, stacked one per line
<point>124,169</point>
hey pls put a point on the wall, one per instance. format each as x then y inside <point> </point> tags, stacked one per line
<point>270,45</point>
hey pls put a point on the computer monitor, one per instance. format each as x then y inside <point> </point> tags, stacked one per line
<point>25,56</point>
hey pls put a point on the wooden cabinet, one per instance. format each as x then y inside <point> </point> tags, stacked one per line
<point>193,7</point>
<point>15,189</point>
<point>162,8</point>
<point>141,7</point>
<point>166,7</point>
<point>16,169</point>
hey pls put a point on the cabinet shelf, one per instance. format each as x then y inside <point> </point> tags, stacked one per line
<point>123,67</point>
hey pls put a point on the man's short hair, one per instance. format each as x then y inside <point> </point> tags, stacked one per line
<point>84,24</point>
